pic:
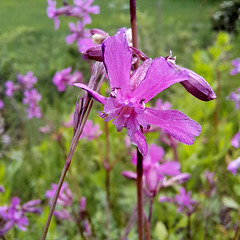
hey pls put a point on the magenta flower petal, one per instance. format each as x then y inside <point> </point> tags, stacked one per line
<point>170,168</point>
<point>129,174</point>
<point>117,58</point>
<point>98,97</point>
<point>233,166</point>
<point>175,123</point>
<point>139,140</point>
<point>160,75</point>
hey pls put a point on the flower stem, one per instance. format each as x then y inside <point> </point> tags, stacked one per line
<point>139,194</point>
<point>188,227</point>
<point>237,231</point>
<point>107,180</point>
<point>133,19</point>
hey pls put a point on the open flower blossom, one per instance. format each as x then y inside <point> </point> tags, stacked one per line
<point>235,96</point>
<point>131,92</point>
<point>14,214</point>
<point>28,80</point>
<point>63,78</point>
<point>183,200</point>
<point>233,166</point>
<point>236,64</point>
<point>154,172</point>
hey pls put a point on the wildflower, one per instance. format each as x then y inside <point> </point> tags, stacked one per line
<point>87,228</point>
<point>236,64</point>
<point>65,197</point>
<point>82,9</point>
<point>53,12</point>
<point>90,131</point>
<point>2,189</point>
<point>14,214</point>
<point>153,172</point>
<point>31,97</point>
<point>183,200</point>
<point>77,33</point>
<point>130,94</point>
<point>236,140</point>
<point>234,165</point>
<point>45,129</point>
<point>1,104</point>
<point>195,84</point>
<point>235,96</point>
<point>82,204</point>
<point>27,81</point>
<point>63,78</point>
<point>10,88</point>
<point>162,105</point>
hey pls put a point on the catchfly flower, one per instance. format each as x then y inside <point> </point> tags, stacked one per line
<point>130,93</point>
<point>236,64</point>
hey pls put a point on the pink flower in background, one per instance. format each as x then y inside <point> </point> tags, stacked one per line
<point>236,140</point>
<point>234,165</point>
<point>10,88</point>
<point>235,96</point>
<point>82,9</point>
<point>153,172</point>
<point>183,200</point>
<point>31,97</point>
<point>90,131</point>
<point>14,214</point>
<point>28,80</point>
<point>162,105</point>
<point>77,32</point>
<point>130,93</point>
<point>65,197</point>
<point>236,64</point>
<point>53,12</point>
<point>63,78</point>
<point>1,104</point>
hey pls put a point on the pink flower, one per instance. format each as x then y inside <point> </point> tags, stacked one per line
<point>236,64</point>
<point>10,88</point>
<point>235,96</point>
<point>82,9</point>
<point>27,81</point>
<point>130,93</point>
<point>236,140</point>
<point>63,78</point>
<point>183,200</point>
<point>90,131</point>
<point>153,171</point>
<point>233,166</point>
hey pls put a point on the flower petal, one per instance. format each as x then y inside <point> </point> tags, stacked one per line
<point>117,58</point>
<point>98,97</point>
<point>175,123</point>
<point>139,140</point>
<point>160,75</point>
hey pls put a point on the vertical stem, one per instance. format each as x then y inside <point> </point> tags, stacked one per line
<point>188,227</point>
<point>133,19</point>
<point>150,210</point>
<point>139,194</point>
<point>237,231</point>
<point>107,180</point>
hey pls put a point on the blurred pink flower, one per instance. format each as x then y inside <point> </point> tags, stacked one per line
<point>233,166</point>
<point>90,131</point>
<point>10,88</point>
<point>28,80</point>
<point>236,140</point>
<point>236,64</point>
<point>1,104</point>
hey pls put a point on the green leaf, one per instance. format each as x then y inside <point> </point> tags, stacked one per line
<point>230,203</point>
<point>160,231</point>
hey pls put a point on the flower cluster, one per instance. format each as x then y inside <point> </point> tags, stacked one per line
<point>15,214</point>
<point>31,95</point>
<point>64,77</point>
<point>236,64</point>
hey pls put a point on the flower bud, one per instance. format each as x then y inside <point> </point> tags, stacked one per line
<point>94,53</point>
